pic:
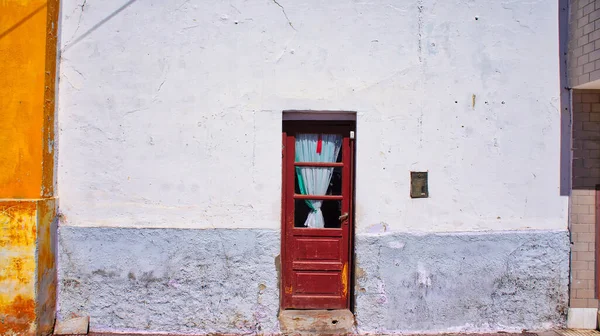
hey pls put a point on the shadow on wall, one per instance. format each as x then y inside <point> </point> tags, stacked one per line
<point>565,116</point>
<point>97,25</point>
<point>80,37</point>
<point>586,177</point>
<point>586,139</point>
<point>22,21</point>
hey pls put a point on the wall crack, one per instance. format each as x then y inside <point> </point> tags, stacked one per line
<point>78,21</point>
<point>420,27</point>
<point>284,14</point>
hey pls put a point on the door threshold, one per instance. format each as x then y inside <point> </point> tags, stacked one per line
<point>337,321</point>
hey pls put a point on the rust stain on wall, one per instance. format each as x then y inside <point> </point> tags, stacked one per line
<point>46,265</point>
<point>17,266</point>
<point>46,215</point>
<point>17,317</point>
<point>16,224</point>
<point>16,269</point>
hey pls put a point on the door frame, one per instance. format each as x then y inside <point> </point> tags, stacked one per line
<point>320,126</point>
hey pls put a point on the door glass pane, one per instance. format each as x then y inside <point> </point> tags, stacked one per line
<point>318,180</point>
<point>318,147</point>
<point>335,182</point>
<point>323,214</point>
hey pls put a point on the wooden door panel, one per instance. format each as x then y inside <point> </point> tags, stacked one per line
<point>312,300</point>
<point>317,249</point>
<point>320,265</point>
<point>307,232</point>
<point>326,283</point>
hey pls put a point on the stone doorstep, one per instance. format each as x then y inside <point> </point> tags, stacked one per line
<point>72,327</point>
<point>322,322</point>
<point>581,318</point>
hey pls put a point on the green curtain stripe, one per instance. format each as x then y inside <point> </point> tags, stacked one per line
<point>303,188</point>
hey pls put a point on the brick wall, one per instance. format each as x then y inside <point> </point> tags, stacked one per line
<point>584,42</point>
<point>586,174</point>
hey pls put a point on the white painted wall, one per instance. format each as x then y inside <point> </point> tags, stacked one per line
<point>170,111</point>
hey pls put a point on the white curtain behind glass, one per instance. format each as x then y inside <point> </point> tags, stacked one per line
<point>315,180</point>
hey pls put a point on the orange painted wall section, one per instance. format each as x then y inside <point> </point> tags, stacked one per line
<point>23,31</point>
<point>28,30</point>
<point>17,267</point>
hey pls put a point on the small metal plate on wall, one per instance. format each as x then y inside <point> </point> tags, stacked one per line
<point>418,185</point>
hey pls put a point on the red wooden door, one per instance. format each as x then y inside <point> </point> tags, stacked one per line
<point>317,215</point>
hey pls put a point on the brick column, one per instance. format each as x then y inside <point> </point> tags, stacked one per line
<point>583,249</point>
<point>586,175</point>
<point>584,42</point>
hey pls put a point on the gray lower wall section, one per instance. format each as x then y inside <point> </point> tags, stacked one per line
<point>226,281</point>
<point>169,280</point>
<point>462,282</point>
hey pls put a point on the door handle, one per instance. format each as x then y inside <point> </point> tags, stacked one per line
<point>343,217</point>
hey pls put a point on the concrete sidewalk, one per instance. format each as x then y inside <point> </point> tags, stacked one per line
<point>561,332</point>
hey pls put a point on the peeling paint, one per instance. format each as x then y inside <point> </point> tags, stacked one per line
<point>359,272</point>
<point>378,228</point>
<point>17,266</point>
<point>17,316</point>
<point>345,280</point>
<point>46,265</point>
<point>27,265</point>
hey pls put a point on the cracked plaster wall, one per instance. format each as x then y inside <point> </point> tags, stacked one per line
<point>225,280</point>
<point>170,280</point>
<point>170,112</point>
<point>466,282</point>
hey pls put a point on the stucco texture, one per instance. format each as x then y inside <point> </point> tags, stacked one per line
<point>462,282</point>
<point>185,281</point>
<point>27,267</point>
<point>223,280</point>
<point>17,267</point>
